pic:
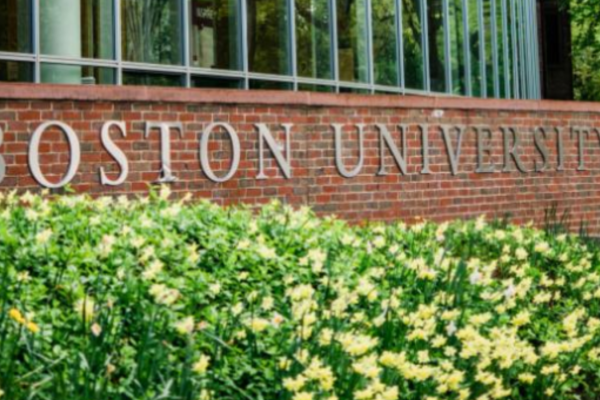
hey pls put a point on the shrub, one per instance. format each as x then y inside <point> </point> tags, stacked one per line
<point>158,299</point>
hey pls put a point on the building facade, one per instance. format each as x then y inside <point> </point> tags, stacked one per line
<point>368,109</point>
<point>479,48</point>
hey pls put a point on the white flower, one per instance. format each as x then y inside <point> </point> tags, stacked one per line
<point>44,236</point>
<point>201,365</point>
<point>475,277</point>
<point>510,292</point>
<point>185,326</point>
<point>215,288</point>
<point>165,192</point>
<point>451,328</point>
<point>96,329</point>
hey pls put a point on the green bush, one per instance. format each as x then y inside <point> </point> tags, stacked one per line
<point>158,299</point>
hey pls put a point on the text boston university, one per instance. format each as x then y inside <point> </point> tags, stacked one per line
<point>453,135</point>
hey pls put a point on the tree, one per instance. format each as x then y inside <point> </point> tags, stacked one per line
<point>585,28</point>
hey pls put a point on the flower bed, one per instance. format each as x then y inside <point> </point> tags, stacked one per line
<point>159,299</point>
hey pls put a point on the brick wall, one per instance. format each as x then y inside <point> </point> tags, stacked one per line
<point>315,181</point>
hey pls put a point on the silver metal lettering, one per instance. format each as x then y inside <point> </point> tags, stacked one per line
<point>34,154</point>
<point>339,160</point>
<point>385,138</point>
<point>582,134</point>
<point>560,150</point>
<point>116,153</point>
<point>453,155</point>
<point>425,139</point>
<point>2,160</point>
<point>235,148</point>
<point>264,135</point>
<point>539,137</point>
<point>166,172</point>
<point>484,147</point>
<point>511,151</point>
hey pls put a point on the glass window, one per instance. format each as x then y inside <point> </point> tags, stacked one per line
<point>15,26</point>
<point>268,37</point>
<point>489,49</point>
<point>215,34</point>
<point>457,47</point>
<point>313,39</point>
<point>412,36</point>
<point>354,90</point>
<point>500,36</point>
<point>12,71</point>
<point>77,28</point>
<point>75,74</point>
<point>138,78</point>
<point>214,82</point>
<point>474,47</point>
<point>270,85</point>
<point>385,42</point>
<point>307,87</point>
<point>151,31</point>
<point>352,40</point>
<point>437,63</point>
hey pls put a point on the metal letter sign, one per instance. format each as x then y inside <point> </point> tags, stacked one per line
<point>235,146</point>
<point>115,152</point>
<point>339,156</point>
<point>34,154</point>
<point>264,135</point>
<point>2,160</point>
<point>166,172</point>
<point>396,145</point>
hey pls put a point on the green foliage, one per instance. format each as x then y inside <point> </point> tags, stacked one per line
<point>585,30</point>
<point>160,299</point>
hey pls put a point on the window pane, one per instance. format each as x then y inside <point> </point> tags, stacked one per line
<point>12,71</point>
<point>489,51</point>
<point>313,38</point>
<point>270,85</point>
<point>151,31</point>
<point>77,28</point>
<point>354,90</point>
<point>435,34</point>
<point>77,75</point>
<point>501,48</point>
<point>150,79</point>
<point>385,42</point>
<point>215,34</point>
<point>457,43</point>
<point>15,26</point>
<point>412,31</point>
<point>306,87</point>
<point>268,37</point>
<point>352,40</point>
<point>474,48</point>
<point>212,82</point>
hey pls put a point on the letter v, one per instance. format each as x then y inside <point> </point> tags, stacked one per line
<point>453,155</point>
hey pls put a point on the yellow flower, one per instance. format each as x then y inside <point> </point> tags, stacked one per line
<point>201,365</point>
<point>1,392</point>
<point>258,324</point>
<point>303,396</point>
<point>185,326</point>
<point>526,377</point>
<point>521,319</point>
<point>294,385</point>
<point>267,303</point>
<point>32,327</point>
<point>44,236</point>
<point>16,315</point>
